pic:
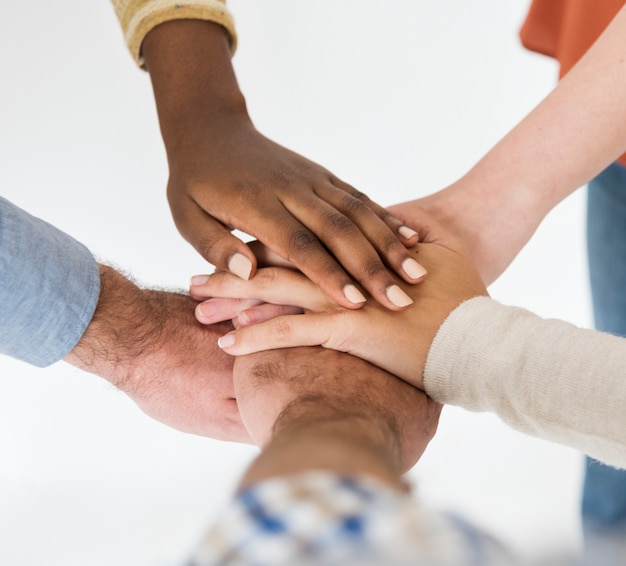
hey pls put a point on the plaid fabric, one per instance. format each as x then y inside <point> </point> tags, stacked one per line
<point>322,518</point>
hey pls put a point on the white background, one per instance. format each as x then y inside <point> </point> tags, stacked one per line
<point>399,98</point>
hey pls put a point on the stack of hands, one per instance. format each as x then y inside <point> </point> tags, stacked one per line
<point>327,320</point>
<point>351,275</point>
<point>282,308</point>
<point>343,272</point>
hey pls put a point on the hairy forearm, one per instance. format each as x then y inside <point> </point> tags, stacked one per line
<point>139,335</point>
<point>148,344</point>
<point>194,83</point>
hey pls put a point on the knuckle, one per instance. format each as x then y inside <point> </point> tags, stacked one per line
<point>280,329</point>
<point>216,248</point>
<point>279,178</point>
<point>247,191</point>
<point>386,216</point>
<point>373,267</point>
<point>353,205</point>
<point>210,248</point>
<point>302,241</point>
<point>360,196</point>
<point>266,278</point>
<point>332,271</point>
<point>340,335</point>
<point>390,243</point>
<point>266,370</point>
<point>340,224</point>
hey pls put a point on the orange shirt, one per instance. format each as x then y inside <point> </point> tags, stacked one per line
<point>565,29</point>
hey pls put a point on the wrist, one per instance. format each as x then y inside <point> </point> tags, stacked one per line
<point>503,183</point>
<point>494,211</point>
<point>362,437</point>
<point>128,337</point>
<point>115,339</point>
<point>318,433</point>
<point>365,427</point>
<point>194,83</point>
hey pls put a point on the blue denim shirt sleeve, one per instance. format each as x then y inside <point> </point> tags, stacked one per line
<point>49,288</point>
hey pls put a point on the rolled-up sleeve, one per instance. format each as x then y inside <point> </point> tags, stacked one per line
<point>49,288</point>
<point>138,17</point>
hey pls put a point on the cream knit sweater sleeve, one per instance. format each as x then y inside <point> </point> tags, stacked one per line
<point>138,17</point>
<point>547,378</point>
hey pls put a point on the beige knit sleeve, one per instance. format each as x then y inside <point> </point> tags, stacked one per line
<point>543,377</point>
<point>138,17</point>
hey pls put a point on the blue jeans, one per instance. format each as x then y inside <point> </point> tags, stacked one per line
<point>604,493</point>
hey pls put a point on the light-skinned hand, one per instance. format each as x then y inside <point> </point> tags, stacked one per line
<point>149,345</point>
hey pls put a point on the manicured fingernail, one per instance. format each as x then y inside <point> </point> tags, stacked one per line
<point>199,279</point>
<point>413,269</point>
<point>206,309</point>
<point>398,297</point>
<point>353,294</point>
<point>226,341</point>
<point>406,232</point>
<point>240,265</point>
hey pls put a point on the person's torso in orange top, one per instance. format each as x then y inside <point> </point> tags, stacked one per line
<point>565,29</point>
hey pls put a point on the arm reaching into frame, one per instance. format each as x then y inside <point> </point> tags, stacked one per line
<point>148,344</point>
<point>224,174</point>
<point>571,136</point>
<point>380,424</point>
<point>336,435</point>
<point>57,302</point>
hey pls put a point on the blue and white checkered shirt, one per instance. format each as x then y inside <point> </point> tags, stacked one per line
<point>323,518</point>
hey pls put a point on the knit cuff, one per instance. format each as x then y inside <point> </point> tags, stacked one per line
<point>139,17</point>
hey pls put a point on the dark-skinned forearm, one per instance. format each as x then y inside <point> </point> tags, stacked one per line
<point>194,83</point>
